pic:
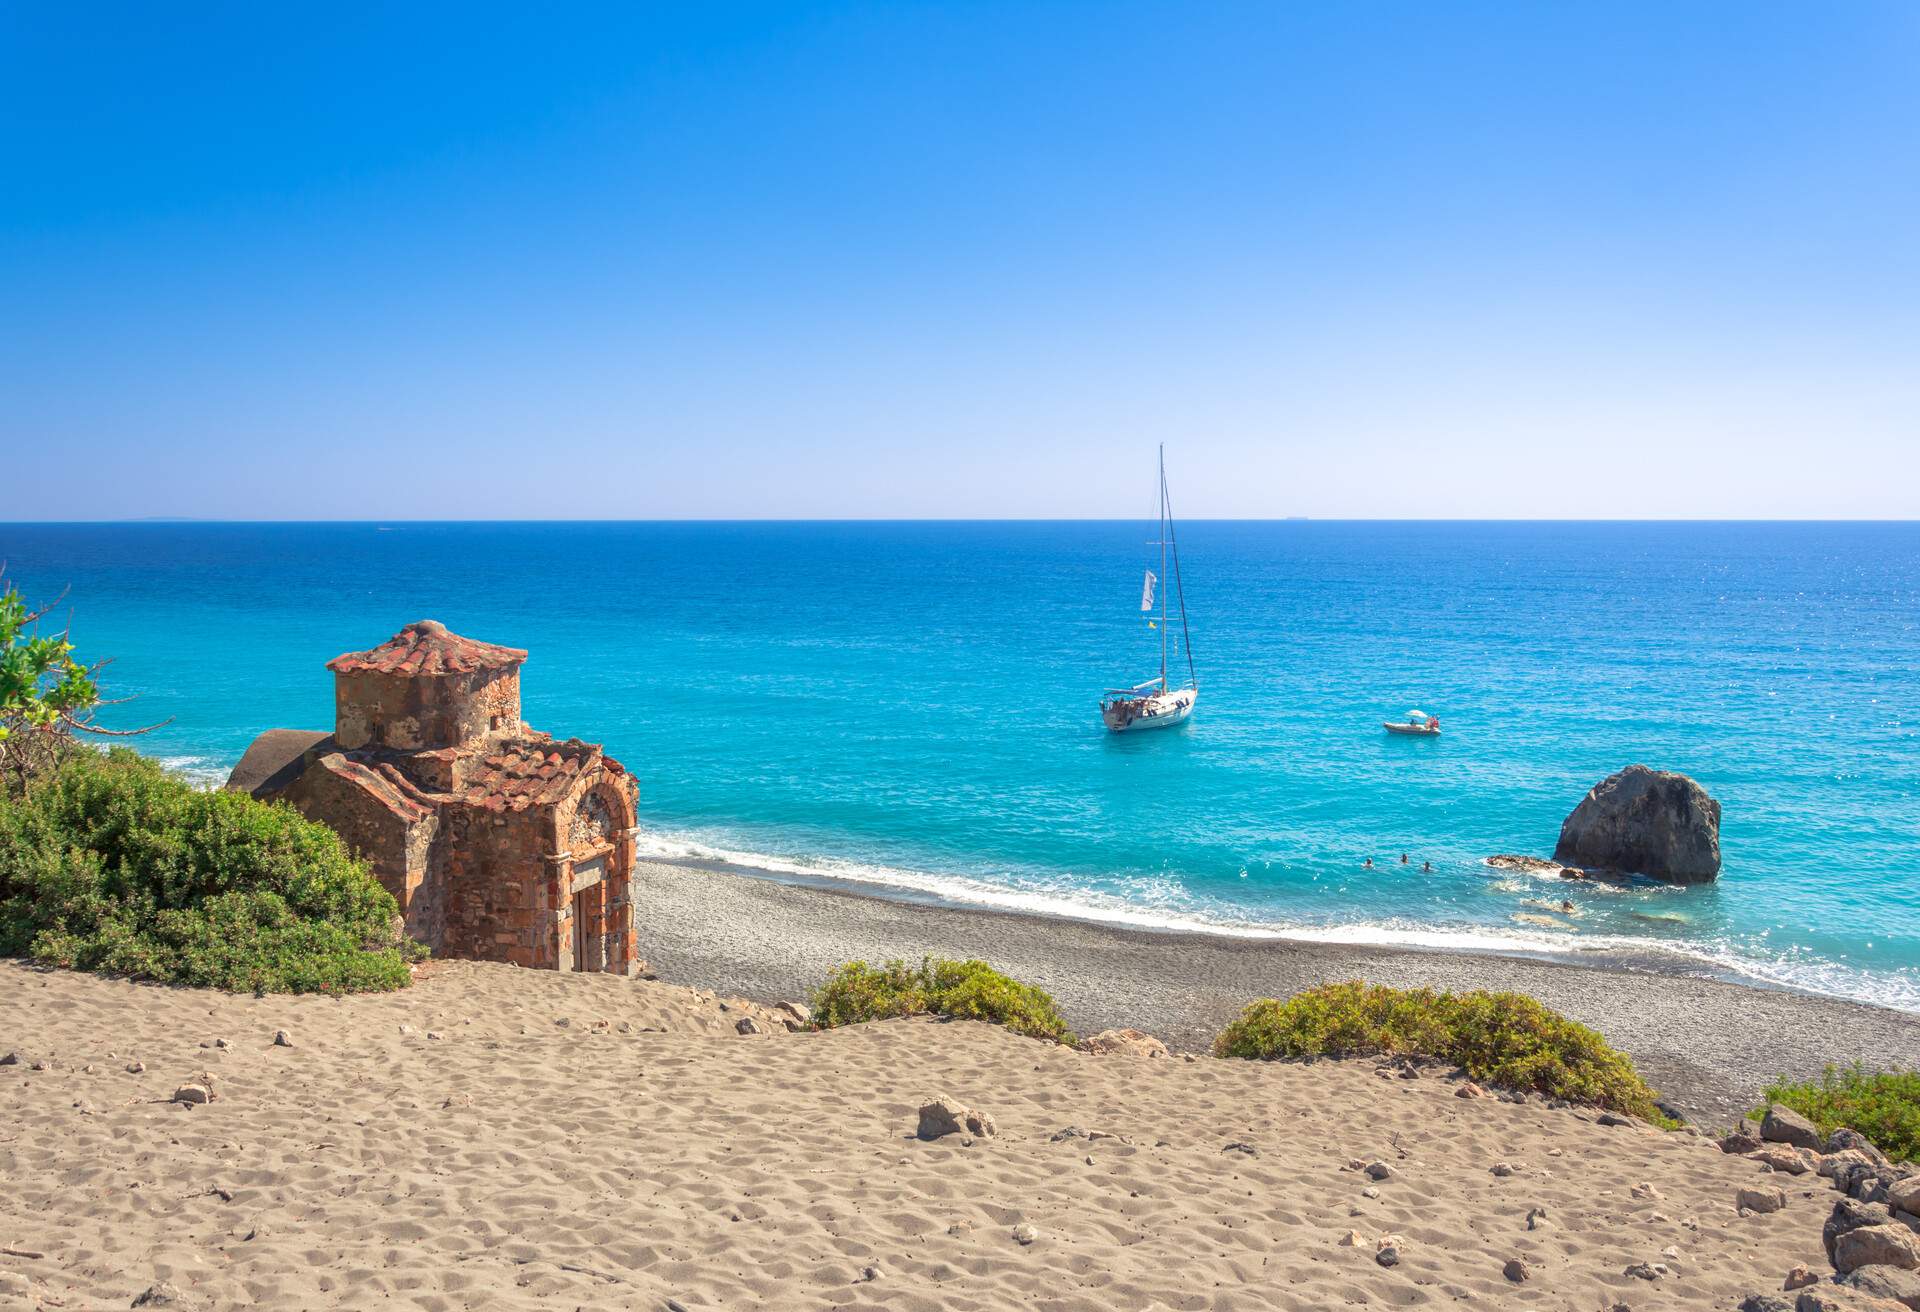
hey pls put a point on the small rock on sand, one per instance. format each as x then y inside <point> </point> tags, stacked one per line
<point>747,1025</point>
<point>1785,1158</point>
<point>1782,1124</point>
<point>15,1285</point>
<point>193,1094</point>
<point>1836,1165</point>
<point>1799,1278</point>
<point>1387,1253</point>
<point>1850,1214</point>
<point>158,1295</point>
<point>136,1067</point>
<point>282,1039</point>
<point>1646,1191</point>
<point>1761,1199</point>
<point>944,1116</point>
<point>1351,1239</point>
<point>10,1059</point>
<point>1888,1282</point>
<point>1515,1270</point>
<point>1125,1043</point>
<point>1469,1090</point>
<point>1537,1219</point>
<point>1501,1169</point>
<point>1379,1171</point>
<point>1847,1140</point>
<point>1837,1298</point>
<point>1876,1245</point>
<point>1024,1234</point>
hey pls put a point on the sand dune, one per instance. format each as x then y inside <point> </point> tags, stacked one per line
<point>497,1138</point>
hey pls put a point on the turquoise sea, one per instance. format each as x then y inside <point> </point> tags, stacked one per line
<point>914,705</point>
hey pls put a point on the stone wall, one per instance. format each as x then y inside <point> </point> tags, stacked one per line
<point>498,886</point>
<point>403,712</point>
<point>379,822</point>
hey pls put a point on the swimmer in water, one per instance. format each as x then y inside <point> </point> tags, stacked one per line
<point>1403,858</point>
<point>1367,864</point>
<point>1426,867</point>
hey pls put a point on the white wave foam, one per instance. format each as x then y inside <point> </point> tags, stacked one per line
<point>1899,989</point>
<point>201,771</point>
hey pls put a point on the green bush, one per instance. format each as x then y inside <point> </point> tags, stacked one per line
<point>965,990</point>
<point>1883,1105</point>
<point>1506,1039</point>
<point>113,865</point>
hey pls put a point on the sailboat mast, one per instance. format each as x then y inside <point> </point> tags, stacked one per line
<point>1163,567</point>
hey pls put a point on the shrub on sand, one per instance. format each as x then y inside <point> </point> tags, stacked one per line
<point>1506,1039</point>
<point>939,986</point>
<point>111,864</point>
<point>1883,1105</point>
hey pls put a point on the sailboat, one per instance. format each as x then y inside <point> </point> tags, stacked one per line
<point>1157,703</point>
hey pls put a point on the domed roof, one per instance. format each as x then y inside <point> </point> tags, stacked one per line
<point>427,647</point>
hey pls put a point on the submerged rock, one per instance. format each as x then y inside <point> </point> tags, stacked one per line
<point>1645,822</point>
<point>1529,865</point>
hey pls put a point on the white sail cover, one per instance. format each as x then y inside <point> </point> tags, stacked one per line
<point>1146,591</point>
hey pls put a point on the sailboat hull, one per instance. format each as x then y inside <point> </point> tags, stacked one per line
<point>1160,711</point>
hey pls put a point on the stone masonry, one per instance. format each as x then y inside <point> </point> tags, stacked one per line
<point>499,843</point>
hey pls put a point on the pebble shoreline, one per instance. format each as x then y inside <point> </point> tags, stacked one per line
<point>1708,1045</point>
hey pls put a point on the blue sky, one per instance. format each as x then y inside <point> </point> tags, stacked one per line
<point>1367,259</point>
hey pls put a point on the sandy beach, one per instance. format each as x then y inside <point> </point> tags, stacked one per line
<point>502,1138</point>
<point>1707,1045</point>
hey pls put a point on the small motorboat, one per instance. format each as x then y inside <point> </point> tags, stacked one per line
<point>1418,723</point>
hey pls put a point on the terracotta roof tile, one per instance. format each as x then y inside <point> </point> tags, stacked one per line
<point>384,784</point>
<point>426,647</point>
<point>524,774</point>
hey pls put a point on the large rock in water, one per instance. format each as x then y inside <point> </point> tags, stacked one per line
<point>1645,822</point>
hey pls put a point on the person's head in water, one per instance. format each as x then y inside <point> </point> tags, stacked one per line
<point>1367,864</point>
<point>1426,867</point>
<point>1403,858</point>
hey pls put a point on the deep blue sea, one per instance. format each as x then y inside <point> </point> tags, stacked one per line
<point>914,705</point>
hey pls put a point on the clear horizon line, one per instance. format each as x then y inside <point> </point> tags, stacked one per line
<point>166,520</point>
